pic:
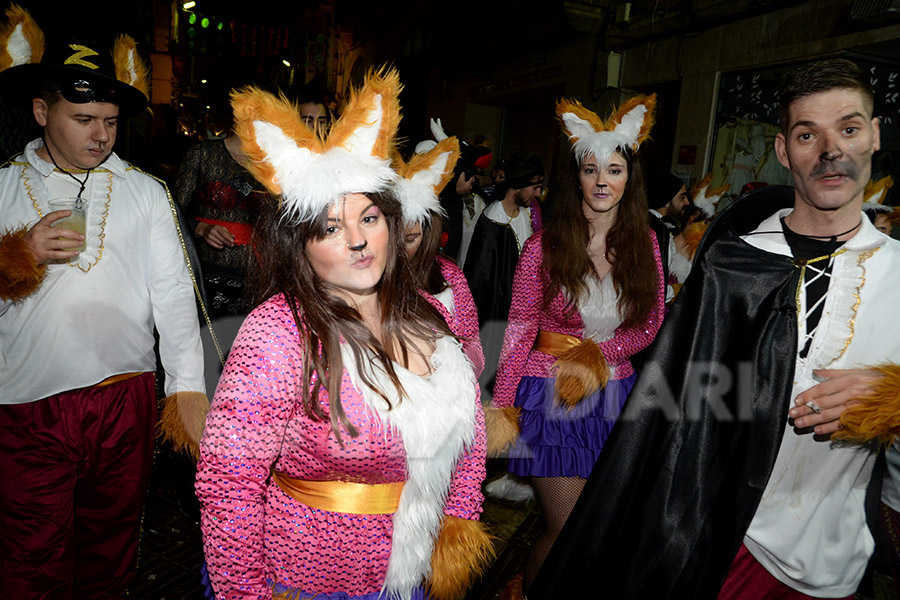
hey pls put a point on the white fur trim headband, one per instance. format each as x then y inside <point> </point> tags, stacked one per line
<point>308,173</point>
<point>627,127</point>
<point>423,178</point>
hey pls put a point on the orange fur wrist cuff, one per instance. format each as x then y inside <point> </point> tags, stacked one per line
<point>21,276</point>
<point>877,417</point>
<point>182,420</point>
<point>461,553</point>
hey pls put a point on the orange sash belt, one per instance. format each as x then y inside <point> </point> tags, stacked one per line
<point>553,343</point>
<point>117,378</point>
<point>242,232</point>
<point>343,496</point>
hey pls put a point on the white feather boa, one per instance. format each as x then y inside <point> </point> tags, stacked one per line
<point>437,423</point>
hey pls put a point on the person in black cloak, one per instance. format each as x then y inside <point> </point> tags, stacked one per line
<point>739,468</point>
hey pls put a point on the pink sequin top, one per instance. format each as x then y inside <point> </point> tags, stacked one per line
<point>527,315</point>
<point>252,530</point>
<point>464,316</point>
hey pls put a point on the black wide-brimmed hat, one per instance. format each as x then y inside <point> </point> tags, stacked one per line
<point>82,70</point>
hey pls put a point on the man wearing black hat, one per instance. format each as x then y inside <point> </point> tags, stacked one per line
<point>667,198</point>
<point>78,310</point>
<point>499,235</point>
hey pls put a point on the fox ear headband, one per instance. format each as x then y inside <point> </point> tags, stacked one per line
<point>423,178</point>
<point>308,173</point>
<point>707,199</point>
<point>627,127</point>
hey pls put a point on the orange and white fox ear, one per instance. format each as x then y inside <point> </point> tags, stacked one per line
<point>628,127</point>
<point>423,178</point>
<point>308,174</point>
<point>706,198</point>
<point>369,124</point>
<point>21,40</point>
<point>130,68</point>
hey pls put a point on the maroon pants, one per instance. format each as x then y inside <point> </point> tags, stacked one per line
<point>749,580</point>
<point>75,469</point>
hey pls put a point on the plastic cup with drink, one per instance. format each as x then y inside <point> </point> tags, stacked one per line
<point>77,221</point>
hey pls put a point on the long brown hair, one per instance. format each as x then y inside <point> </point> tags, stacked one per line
<point>324,319</point>
<point>628,246</point>
<point>423,264</point>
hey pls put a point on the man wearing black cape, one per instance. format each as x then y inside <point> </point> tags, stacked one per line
<point>735,470</point>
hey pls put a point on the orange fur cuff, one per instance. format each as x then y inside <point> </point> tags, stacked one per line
<point>502,426</point>
<point>461,553</point>
<point>20,276</point>
<point>877,417</point>
<point>182,421</point>
<point>581,371</point>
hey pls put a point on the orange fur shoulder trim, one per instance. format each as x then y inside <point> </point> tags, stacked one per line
<point>462,552</point>
<point>21,276</point>
<point>502,426</point>
<point>182,421</point>
<point>877,416</point>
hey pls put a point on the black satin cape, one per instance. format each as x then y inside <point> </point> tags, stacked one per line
<point>676,486</point>
<point>489,268</point>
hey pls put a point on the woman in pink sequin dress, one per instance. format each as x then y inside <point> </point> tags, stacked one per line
<point>587,295</point>
<point>344,449</point>
<point>421,180</point>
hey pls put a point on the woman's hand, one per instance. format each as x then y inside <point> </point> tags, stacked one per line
<point>216,236</point>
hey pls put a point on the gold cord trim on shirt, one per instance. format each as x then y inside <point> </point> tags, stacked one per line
<point>342,496</point>
<point>553,343</point>
<point>75,262</point>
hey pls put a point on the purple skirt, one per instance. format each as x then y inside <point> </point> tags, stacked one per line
<point>556,442</point>
<point>417,594</point>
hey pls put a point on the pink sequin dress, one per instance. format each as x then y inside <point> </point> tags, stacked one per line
<point>464,316</point>
<point>255,534</point>
<point>555,442</point>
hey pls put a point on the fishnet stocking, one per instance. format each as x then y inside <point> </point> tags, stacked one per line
<point>557,496</point>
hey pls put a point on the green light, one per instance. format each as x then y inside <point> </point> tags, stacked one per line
<point>204,23</point>
<point>219,26</point>
<point>192,18</point>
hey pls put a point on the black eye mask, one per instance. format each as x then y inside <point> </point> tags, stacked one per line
<point>81,91</point>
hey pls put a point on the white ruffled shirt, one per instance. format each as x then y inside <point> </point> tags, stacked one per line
<point>95,318</point>
<point>809,530</point>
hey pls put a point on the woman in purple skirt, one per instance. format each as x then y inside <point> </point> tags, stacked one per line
<point>587,295</point>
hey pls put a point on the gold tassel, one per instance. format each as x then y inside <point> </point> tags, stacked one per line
<point>877,417</point>
<point>461,554</point>
<point>21,276</point>
<point>182,421</point>
<point>502,426</point>
<point>581,371</point>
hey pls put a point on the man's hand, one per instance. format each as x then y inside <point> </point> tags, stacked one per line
<point>53,243</point>
<point>841,389</point>
<point>216,236</point>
